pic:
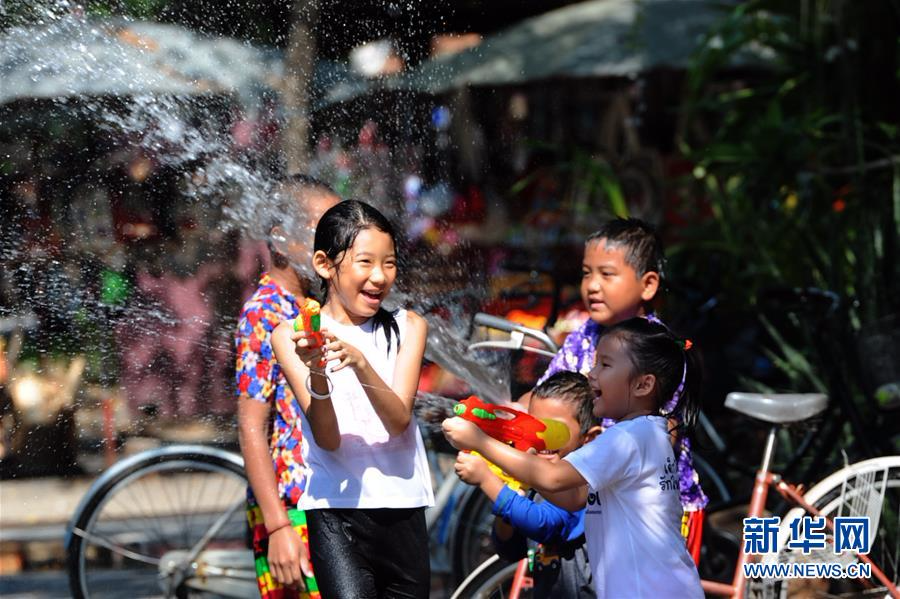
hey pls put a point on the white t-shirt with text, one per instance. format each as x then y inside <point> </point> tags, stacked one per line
<point>633,518</point>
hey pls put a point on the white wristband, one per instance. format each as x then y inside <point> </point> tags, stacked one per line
<point>315,395</point>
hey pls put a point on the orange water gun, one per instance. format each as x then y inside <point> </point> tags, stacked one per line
<point>513,427</point>
<point>310,320</point>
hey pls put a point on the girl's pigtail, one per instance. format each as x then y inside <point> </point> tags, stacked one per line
<point>387,321</point>
<point>687,410</point>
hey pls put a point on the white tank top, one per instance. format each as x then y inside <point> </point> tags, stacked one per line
<point>371,469</point>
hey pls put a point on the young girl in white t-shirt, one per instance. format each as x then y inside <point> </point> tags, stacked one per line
<point>367,480</point>
<point>628,476</point>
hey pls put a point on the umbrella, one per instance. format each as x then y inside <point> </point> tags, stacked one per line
<point>599,38</point>
<point>78,56</point>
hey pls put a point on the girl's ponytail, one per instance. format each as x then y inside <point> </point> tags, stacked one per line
<point>687,406</point>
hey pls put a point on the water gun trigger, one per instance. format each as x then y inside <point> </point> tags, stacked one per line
<point>509,481</point>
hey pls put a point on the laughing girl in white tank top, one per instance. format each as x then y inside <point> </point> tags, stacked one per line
<point>367,474</point>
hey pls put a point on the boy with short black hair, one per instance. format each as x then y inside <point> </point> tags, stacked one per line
<point>622,273</point>
<point>561,567</point>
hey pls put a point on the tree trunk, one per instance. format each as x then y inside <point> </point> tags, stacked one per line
<point>299,63</point>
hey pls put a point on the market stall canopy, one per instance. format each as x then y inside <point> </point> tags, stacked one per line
<point>80,56</point>
<point>336,82</point>
<point>599,38</point>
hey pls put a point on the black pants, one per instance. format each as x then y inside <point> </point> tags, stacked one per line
<point>370,553</point>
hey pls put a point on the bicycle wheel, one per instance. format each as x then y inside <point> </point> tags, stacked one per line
<point>869,488</point>
<point>491,580</point>
<point>140,527</point>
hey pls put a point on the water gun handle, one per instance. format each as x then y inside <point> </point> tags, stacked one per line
<point>309,319</point>
<point>513,427</point>
<point>509,481</point>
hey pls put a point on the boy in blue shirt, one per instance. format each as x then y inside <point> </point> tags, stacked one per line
<point>561,566</point>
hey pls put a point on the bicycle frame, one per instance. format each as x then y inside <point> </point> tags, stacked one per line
<point>765,479</point>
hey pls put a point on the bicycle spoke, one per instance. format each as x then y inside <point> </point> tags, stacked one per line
<point>195,550</point>
<point>116,548</point>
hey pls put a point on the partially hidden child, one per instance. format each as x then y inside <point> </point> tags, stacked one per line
<point>267,408</point>
<point>560,564</point>
<point>622,275</point>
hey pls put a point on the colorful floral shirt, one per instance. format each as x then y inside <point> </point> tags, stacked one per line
<point>577,355</point>
<point>259,378</point>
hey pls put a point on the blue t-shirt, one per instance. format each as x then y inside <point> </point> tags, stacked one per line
<point>561,569</point>
<point>542,521</point>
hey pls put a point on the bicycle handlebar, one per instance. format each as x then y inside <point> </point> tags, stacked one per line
<point>517,333</point>
<point>496,322</point>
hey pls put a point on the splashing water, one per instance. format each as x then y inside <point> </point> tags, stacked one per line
<point>431,410</point>
<point>117,128</point>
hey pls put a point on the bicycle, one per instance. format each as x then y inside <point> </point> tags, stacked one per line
<point>847,492</point>
<point>169,519</point>
<point>172,519</point>
<point>810,452</point>
<point>868,488</point>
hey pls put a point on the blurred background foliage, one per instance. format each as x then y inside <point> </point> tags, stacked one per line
<point>799,162</point>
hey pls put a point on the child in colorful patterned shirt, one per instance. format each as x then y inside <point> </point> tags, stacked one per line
<point>267,408</point>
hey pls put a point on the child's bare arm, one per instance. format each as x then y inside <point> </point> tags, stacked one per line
<point>253,422</point>
<point>394,403</point>
<point>571,499</point>
<point>288,555</point>
<point>532,470</point>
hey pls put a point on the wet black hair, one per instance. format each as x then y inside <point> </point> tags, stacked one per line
<point>335,234</point>
<point>570,387</point>
<point>643,246</point>
<point>654,349</point>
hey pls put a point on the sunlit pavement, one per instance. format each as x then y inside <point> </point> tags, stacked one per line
<point>33,517</point>
<point>38,508</point>
<point>55,585</point>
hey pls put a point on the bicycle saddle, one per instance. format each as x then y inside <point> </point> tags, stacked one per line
<point>778,408</point>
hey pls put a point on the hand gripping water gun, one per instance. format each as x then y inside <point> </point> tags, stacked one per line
<point>513,427</point>
<point>309,320</point>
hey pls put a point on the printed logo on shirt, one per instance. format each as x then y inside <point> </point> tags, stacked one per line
<point>669,480</point>
<point>593,503</point>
